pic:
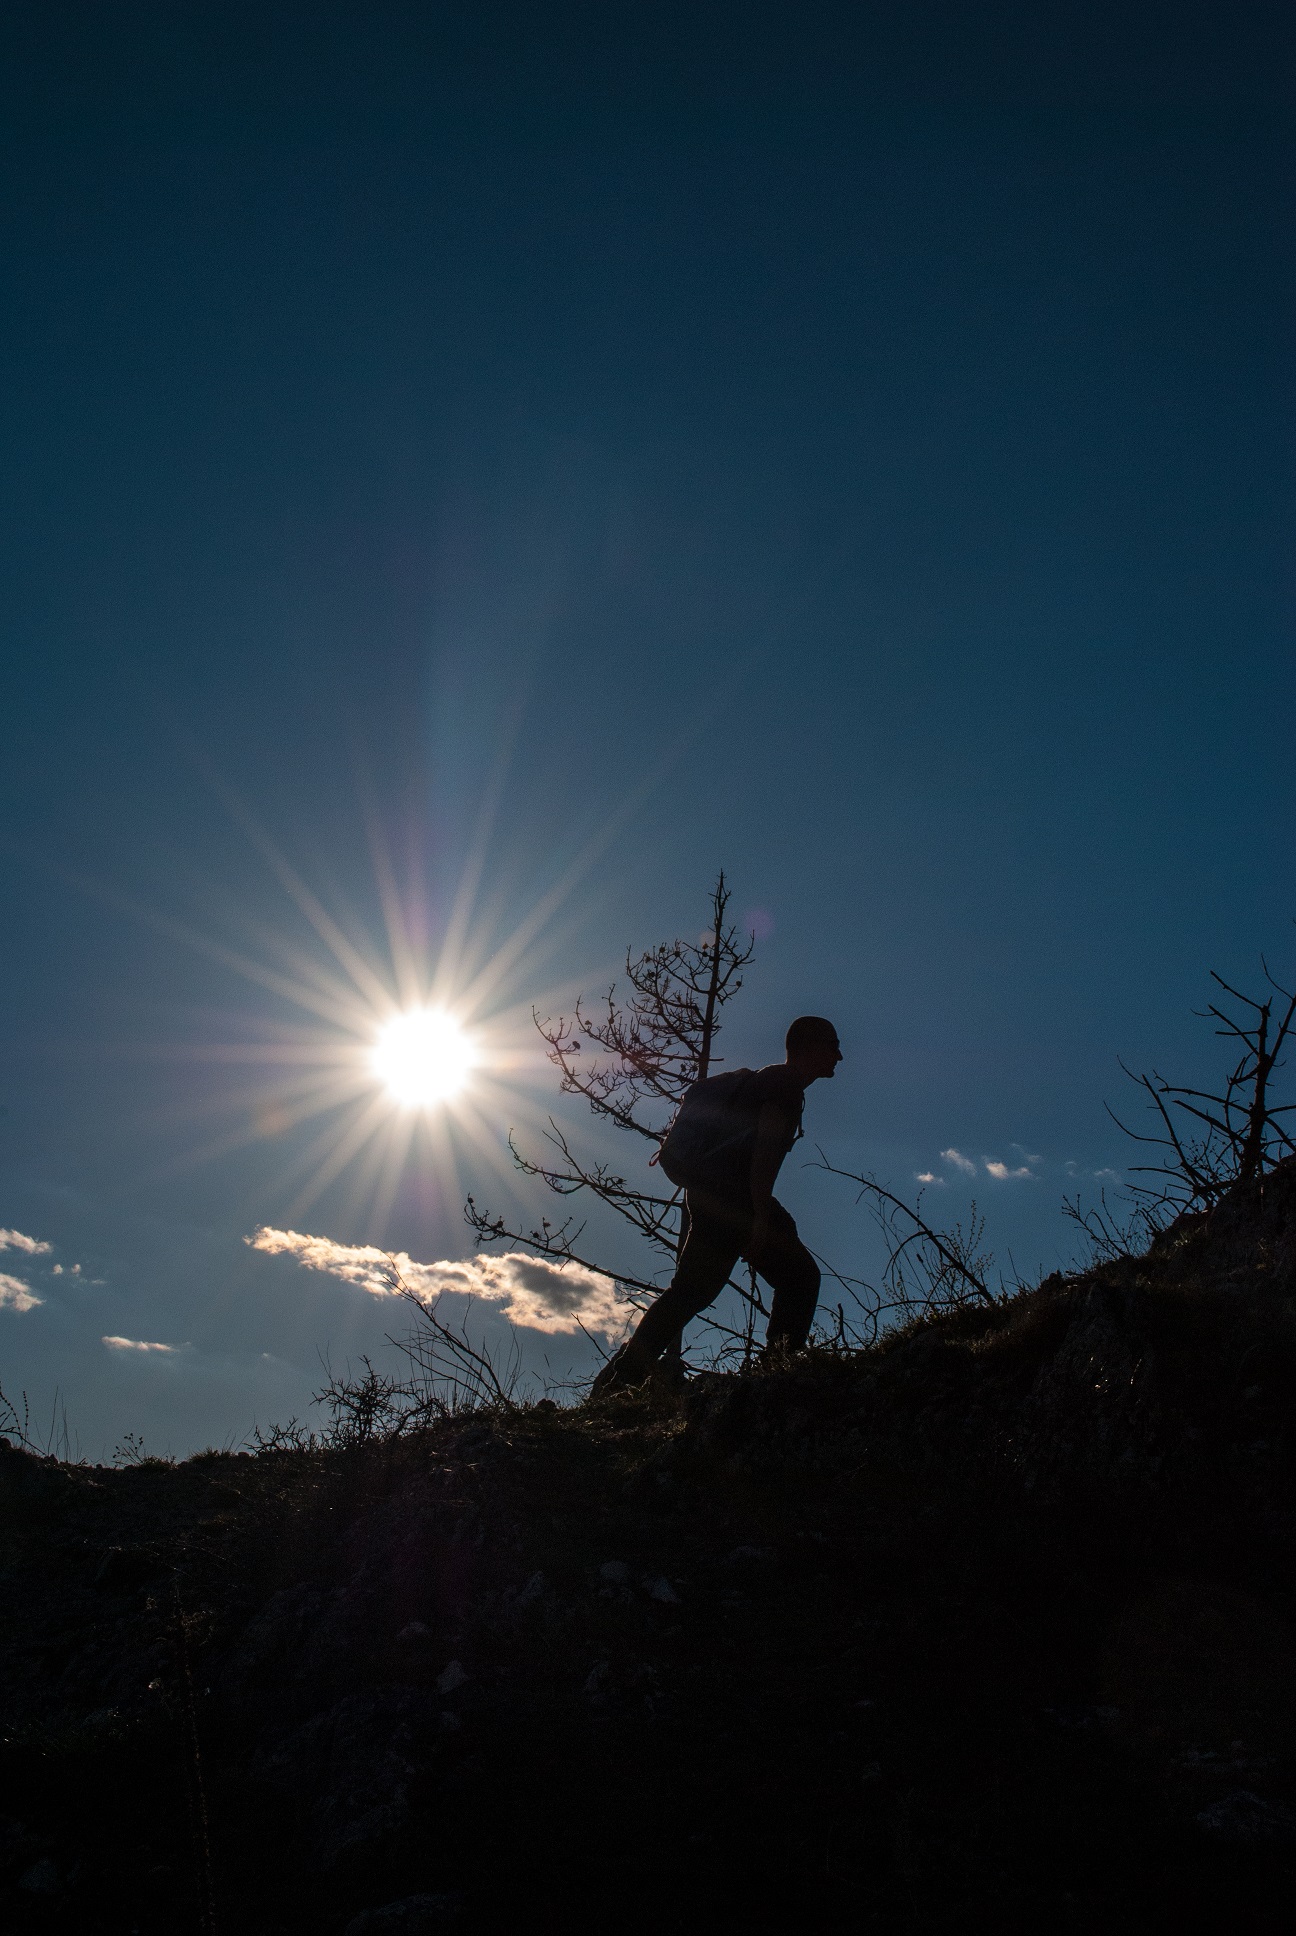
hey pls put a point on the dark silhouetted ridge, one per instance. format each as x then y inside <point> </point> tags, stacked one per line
<point>988,1627</point>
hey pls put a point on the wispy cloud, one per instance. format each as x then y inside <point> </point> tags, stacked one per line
<point>14,1240</point>
<point>1000,1171</point>
<point>141,1344</point>
<point>536,1294</point>
<point>929,1176</point>
<point>17,1296</point>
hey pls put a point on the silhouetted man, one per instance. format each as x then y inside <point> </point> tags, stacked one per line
<point>732,1209</point>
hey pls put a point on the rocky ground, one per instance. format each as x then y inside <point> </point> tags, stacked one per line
<point>989,1627</point>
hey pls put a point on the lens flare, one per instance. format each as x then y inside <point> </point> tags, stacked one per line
<point>423,1057</point>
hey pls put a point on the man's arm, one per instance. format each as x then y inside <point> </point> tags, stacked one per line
<point>774,1131</point>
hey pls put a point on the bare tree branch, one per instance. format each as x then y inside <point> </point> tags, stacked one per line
<point>1213,1141</point>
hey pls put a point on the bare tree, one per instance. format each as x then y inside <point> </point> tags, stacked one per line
<point>630,1057</point>
<point>1212,1141</point>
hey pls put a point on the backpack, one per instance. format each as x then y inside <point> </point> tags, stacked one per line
<point>708,1128</point>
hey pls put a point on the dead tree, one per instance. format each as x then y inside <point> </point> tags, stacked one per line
<point>630,1057</point>
<point>1210,1141</point>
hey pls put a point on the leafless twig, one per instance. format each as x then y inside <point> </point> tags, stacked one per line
<point>1212,1141</point>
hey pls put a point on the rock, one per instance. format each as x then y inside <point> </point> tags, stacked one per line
<point>1249,1819</point>
<point>614,1572</point>
<point>414,1631</point>
<point>15,1839</point>
<point>411,1916</point>
<point>661,1589</point>
<point>532,1591</point>
<point>1198,1662</point>
<point>350,1768</point>
<point>42,1879</point>
<point>123,1568</point>
<point>299,1631</point>
<point>451,1677</point>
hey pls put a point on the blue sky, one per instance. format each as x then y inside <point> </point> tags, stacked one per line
<point>849,446</point>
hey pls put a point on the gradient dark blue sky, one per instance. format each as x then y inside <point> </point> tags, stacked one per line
<point>849,445</point>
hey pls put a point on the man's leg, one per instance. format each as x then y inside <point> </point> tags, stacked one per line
<point>711,1249</point>
<point>793,1276</point>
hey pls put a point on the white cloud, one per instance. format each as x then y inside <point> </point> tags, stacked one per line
<point>534,1293</point>
<point>362,1264</point>
<point>929,1176</point>
<point>140,1344</point>
<point>14,1240</point>
<point>1002,1174</point>
<point>17,1296</point>
<point>960,1162</point>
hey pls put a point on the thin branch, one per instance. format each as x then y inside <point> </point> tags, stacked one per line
<point>869,1186</point>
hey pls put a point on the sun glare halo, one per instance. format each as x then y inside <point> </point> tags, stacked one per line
<point>423,1057</point>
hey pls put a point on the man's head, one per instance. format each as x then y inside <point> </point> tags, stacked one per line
<point>812,1047</point>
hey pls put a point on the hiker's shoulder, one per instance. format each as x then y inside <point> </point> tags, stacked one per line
<point>777,1084</point>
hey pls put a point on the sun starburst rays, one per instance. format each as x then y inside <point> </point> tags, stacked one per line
<point>404,1061</point>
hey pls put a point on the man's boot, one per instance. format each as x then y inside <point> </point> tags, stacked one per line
<point>668,1373</point>
<point>624,1370</point>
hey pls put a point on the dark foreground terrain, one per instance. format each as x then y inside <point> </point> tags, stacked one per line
<point>989,1628</point>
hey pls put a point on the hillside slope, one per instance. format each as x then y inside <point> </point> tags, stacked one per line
<point>987,1627</point>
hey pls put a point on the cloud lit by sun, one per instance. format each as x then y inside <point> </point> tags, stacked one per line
<point>423,1057</point>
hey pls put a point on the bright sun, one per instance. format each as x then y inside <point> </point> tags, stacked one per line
<point>423,1057</point>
